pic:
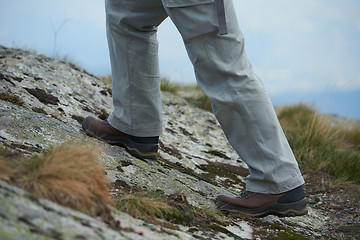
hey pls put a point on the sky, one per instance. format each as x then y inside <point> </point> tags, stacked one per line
<point>303,50</point>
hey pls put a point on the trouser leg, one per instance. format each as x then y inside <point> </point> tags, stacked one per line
<point>237,95</point>
<point>133,47</point>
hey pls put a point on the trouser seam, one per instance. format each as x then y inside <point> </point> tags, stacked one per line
<point>130,83</point>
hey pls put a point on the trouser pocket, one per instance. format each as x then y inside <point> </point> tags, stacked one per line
<point>185,3</point>
<point>220,9</point>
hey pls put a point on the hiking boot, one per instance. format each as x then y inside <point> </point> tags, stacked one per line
<point>140,147</point>
<point>250,204</point>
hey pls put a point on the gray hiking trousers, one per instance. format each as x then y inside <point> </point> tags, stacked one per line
<point>222,70</point>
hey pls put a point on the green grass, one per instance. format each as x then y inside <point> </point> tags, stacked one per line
<point>141,206</point>
<point>353,136</point>
<point>201,101</point>
<point>283,233</point>
<point>106,79</point>
<point>320,146</point>
<point>190,93</point>
<point>168,86</point>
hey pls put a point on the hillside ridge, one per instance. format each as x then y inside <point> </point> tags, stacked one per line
<point>43,102</point>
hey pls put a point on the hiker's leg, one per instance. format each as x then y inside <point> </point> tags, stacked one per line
<point>238,98</point>
<point>131,33</point>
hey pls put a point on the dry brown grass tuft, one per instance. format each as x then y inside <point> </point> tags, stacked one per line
<point>68,174</point>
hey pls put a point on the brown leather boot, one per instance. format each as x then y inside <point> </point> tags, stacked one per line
<point>249,204</point>
<point>140,147</point>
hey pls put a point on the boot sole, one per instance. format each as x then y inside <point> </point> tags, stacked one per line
<point>142,151</point>
<point>294,209</point>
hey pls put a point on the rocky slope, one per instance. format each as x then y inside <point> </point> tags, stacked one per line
<point>43,102</point>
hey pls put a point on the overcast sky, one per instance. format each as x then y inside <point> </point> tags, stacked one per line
<point>303,50</point>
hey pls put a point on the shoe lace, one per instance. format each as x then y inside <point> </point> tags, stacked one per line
<point>244,194</point>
